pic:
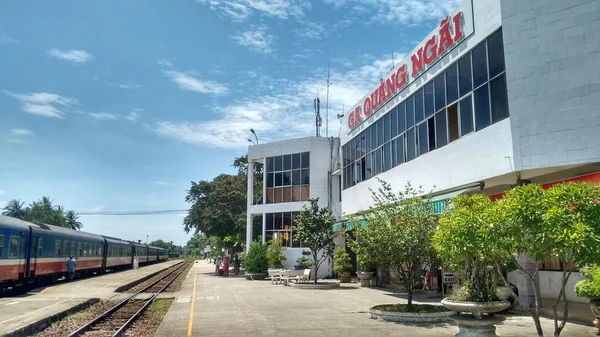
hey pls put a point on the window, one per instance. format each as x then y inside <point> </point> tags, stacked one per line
<point>296,161</point>
<point>380,132</point>
<point>423,139</point>
<point>13,247</point>
<point>79,249</point>
<point>428,96</point>
<point>368,166</point>
<point>464,75</point>
<point>401,118</point>
<point>386,128</point>
<point>65,248</point>
<point>281,226</point>
<point>440,92</point>
<point>1,245</point>
<point>440,127</point>
<point>466,116</point>
<point>496,54</point>
<point>23,248</point>
<point>452,83</point>
<point>287,162</point>
<point>479,57</point>
<point>57,247</point>
<point>40,247</point>
<point>377,160</point>
<point>482,107</point>
<point>73,248</point>
<point>387,156</point>
<point>431,132</point>
<point>410,112</point>
<point>285,185</point>
<point>419,108</point>
<point>453,122</point>
<point>369,144</point>
<point>394,122</point>
<point>410,145</point>
<point>399,158</point>
<point>499,98</point>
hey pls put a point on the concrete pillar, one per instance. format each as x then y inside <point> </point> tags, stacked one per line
<point>264,227</point>
<point>250,197</point>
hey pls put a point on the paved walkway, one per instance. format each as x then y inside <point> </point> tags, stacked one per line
<point>20,311</point>
<point>234,306</point>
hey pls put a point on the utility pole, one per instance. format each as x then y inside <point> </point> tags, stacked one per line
<point>327,105</point>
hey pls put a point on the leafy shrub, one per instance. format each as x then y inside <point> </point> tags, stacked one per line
<point>275,253</point>
<point>303,262</point>
<point>341,262</point>
<point>590,287</point>
<point>256,258</point>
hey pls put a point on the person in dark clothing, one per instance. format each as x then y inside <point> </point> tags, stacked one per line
<point>236,265</point>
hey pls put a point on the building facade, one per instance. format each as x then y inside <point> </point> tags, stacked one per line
<point>293,171</point>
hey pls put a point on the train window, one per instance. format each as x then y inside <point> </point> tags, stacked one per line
<point>65,248</point>
<point>40,247</point>
<point>57,248</point>
<point>73,248</point>
<point>13,247</point>
<point>101,248</point>
<point>23,248</point>
<point>79,249</point>
<point>1,245</point>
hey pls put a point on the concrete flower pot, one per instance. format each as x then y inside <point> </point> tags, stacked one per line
<point>365,278</point>
<point>256,276</point>
<point>476,308</point>
<point>345,277</point>
<point>595,306</point>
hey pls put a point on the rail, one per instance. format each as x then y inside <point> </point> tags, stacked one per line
<point>178,269</point>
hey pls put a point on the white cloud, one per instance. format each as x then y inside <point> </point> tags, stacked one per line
<point>282,109</point>
<point>102,116</point>
<point>3,204</point>
<point>128,85</point>
<point>21,132</point>
<point>312,30</point>
<point>2,192</point>
<point>186,81</point>
<point>74,55</point>
<point>97,208</point>
<point>240,10</point>
<point>256,40</point>
<point>134,115</point>
<point>6,40</point>
<point>401,11</point>
<point>162,183</point>
<point>44,104</point>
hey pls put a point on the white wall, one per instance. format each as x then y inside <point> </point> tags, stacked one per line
<point>292,254</point>
<point>550,282</point>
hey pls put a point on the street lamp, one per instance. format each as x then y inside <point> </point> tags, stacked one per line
<point>251,141</point>
<point>254,133</point>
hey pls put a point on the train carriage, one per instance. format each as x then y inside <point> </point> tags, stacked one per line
<point>153,254</point>
<point>118,254</point>
<point>140,252</point>
<point>14,235</point>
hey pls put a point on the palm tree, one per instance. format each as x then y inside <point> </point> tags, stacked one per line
<point>15,209</point>
<point>71,220</point>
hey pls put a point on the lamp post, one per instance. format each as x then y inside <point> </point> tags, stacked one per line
<point>255,136</point>
<point>251,141</point>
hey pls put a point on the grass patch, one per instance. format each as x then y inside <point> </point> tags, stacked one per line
<point>160,306</point>
<point>416,308</point>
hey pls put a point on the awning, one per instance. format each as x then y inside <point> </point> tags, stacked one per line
<point>438,202</point>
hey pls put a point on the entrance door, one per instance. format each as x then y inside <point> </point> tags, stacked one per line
<point>34,254</point>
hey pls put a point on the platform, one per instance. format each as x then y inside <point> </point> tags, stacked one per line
<point>210,305</point>
<point>20,311</point>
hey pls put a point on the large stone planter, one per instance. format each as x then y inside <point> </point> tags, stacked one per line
<point>468,326</point>
<point>410,317</point>
<point>365,278</point>
<point>476,308</point>
<point>595,306</point>
<point>345,277</point>
<point>256,276</point>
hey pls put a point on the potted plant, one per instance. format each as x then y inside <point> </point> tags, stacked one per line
<point>342,265</point>
<point>366,274</point>
<point>256,262</point>
<point>590,288</point>
<point>275,253</point>
<point>303,262</point>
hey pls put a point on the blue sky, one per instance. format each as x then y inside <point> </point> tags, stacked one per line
<point>118,105</point>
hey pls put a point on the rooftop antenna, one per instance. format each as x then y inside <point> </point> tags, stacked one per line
<point>318,121</point>
<point>327,105</point>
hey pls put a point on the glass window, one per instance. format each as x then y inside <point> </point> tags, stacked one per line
<point>23,248</point>
<point>305,159</point>
<point>40,247</point>
<point>499,98</point>
<point>373,131</point>
<point>357,172</point>
<point>278,179</point>
<point>410,145</point>
<point>65,248</point>
<point>380,132</point>
<point>428,96</point>
<point>278,163</point>
<point>399,157</point>
<point>278,195</point>
<point>269,221</point>
<point>410,112</point>
<point>73,246</point>
<point>13,247</point>
<point>464,75</point>
<point>479,57</point>
<point>387,157</point>
<point>287,178</point>
<point>305,176</point>
<point>368,166</point>
<point>296,177</point>
<point>386,128</point>
<point>287,220</point>
<point>452,83</point>
<point>270,178</point>
<point>352,150</point>
<point>423,139</point>
<point>278,221</point>
<point>440,92</point>
<point>270,195</point>
<point>79,249</point>
<point>431,132</point>
<point>57,248</point>
<point>296,161</point>
<point>394,122</point>
<point>401,118</point>
<point>363,143</point>
<point>1,245</point>
<point>453,122</point>
<point>496,53</point>
<point>287,194</point>
<point>466,116</point>
<point>419,108</point>
<point>369,146</point>
<point>363,168</point>
<point>270,164</point>
<point>482,108</point>
<point>377,164</point>
<point>287,162</point>
<point>441,129</point>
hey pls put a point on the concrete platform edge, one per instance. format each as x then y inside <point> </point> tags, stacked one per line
<point>136,282</point>
<point>42,324</point>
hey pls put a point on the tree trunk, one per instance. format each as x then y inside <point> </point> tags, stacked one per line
<point>315,266</point>
<point>535,313</point>
<point>409,295</point>
<point>559,327</point>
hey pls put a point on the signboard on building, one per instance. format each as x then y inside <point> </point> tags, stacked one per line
<point>452,30</point>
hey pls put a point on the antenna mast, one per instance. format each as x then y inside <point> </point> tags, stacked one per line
<point>318,121</point>
<point>327,105</point>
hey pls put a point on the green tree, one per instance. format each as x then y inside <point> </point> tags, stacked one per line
<point>15,209</point>
<point>275,253</point>
<point>313,229</point>
<point>398,236</point>
<point>341,261</point>
<point>197,244</point>
<point>72,220</point>
<point>256,259</point>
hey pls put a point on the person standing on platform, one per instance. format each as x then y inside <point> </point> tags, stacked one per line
<point>236,265</point>
<point>71,267</point>
<point>226,266</point>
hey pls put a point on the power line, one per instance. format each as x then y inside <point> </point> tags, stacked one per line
<point>149,212</point>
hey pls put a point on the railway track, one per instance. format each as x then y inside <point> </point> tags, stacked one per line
<point>115,321</point>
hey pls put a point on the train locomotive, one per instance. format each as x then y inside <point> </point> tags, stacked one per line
<point>33,254</point>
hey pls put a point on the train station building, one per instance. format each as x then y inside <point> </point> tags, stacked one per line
<point>500,93</point>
